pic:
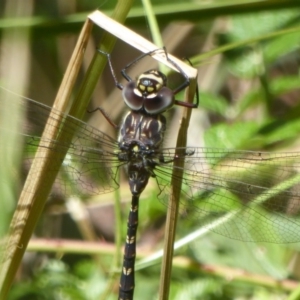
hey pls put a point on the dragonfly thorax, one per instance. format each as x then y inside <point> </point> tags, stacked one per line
<point>142,131</point>
<point>140,141</point>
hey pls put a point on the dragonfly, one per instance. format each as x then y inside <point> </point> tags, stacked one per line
<point>243,195</point>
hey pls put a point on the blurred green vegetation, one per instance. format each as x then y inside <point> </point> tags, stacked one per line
<point>249,100</point>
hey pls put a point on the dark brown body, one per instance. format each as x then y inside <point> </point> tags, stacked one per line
<point>140,139</point>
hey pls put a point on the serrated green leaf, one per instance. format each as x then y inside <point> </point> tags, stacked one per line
<point>213,103</point>
<point>281,46</point>
<point>251,25</point>
<point>284,130</point>
<point>284,84</point>
<point>230,136</point>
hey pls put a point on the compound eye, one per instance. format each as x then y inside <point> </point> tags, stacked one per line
<point>163,100</point>
<point>131,99</point>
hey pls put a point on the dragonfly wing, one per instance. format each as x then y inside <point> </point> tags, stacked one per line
<point>91,162</point>
<point>252,196</point>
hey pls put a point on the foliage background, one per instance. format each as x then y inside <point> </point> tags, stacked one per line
<point>249,100</point>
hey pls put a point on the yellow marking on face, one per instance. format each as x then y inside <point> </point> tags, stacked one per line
<point>142,87</point>
<point>150,89</point>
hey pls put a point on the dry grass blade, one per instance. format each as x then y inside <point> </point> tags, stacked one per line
<point>31,203</point>
<point>138,42</point>
<point>173,208</point>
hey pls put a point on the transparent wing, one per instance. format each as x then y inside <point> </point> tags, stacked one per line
<point>256,195</point>
<point>91,163</point>
<point>251,196</point>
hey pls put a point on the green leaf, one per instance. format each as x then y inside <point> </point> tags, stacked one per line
<point>230,136</point>
<point>213,103</point>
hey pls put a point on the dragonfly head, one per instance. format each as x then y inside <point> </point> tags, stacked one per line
<point>149,93</point>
